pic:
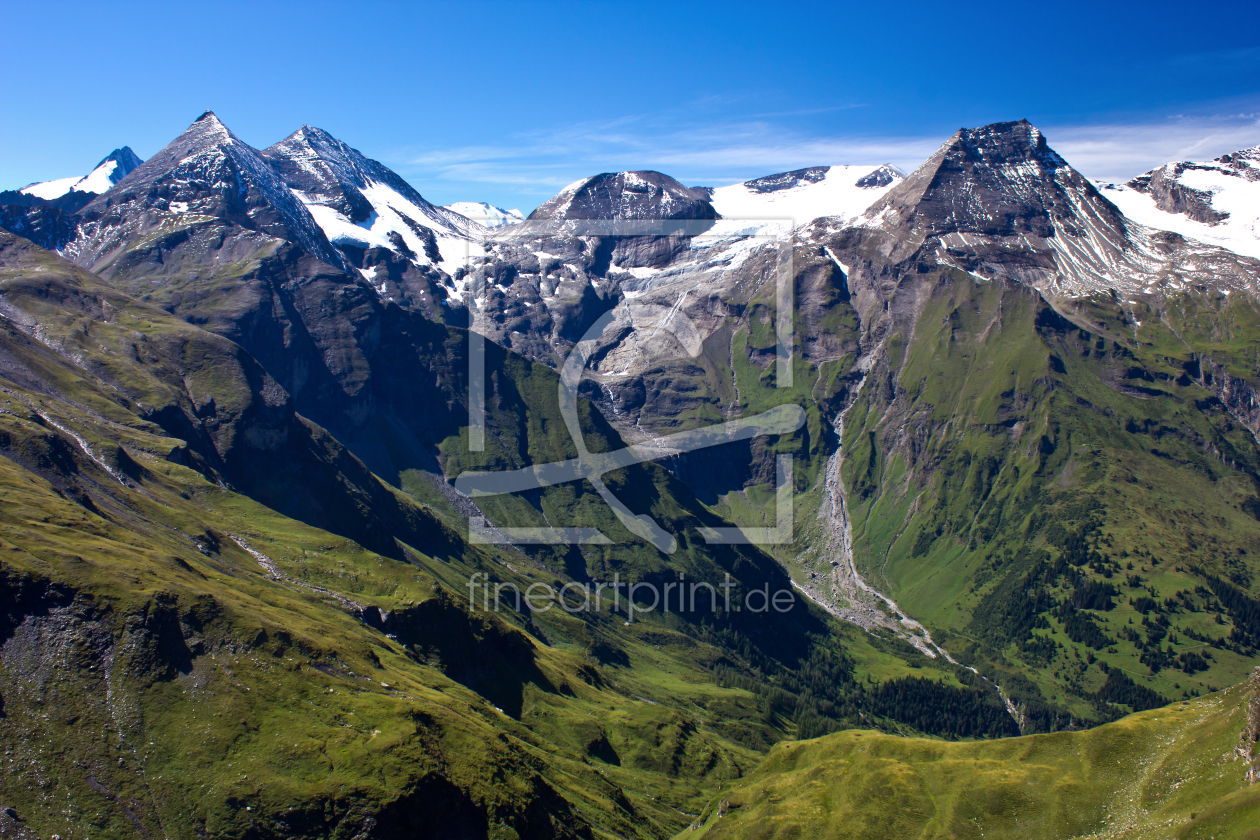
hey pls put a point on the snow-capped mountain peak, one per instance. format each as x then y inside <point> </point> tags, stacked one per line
<point>883,176</point>
<point>116,166</point>
<point>640,195</point>
<point>997,201</point>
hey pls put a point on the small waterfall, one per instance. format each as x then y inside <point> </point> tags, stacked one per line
<point>848,596</point>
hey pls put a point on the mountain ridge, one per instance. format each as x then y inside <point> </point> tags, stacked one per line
<point>207,170</point>
<point>640,195</point>
<point>1001,188</point>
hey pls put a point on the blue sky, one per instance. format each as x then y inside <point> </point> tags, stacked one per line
<point>509,101</point>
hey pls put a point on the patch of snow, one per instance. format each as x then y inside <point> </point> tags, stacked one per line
<point>51,189</point>
<point>341,231</point>
<point>1239,233</point>
<point>457,252</point>
<point>836,194</point>
<point>1232,184</point>
<point>390,214</point>
<point>640,273</point>
<point>726,229</point>
<point>454,247</point>
<point>99,180</point>
<point>839,264</point>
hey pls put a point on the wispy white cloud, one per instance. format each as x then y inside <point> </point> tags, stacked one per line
<point>714,154</point>
<point>1117,152</point>
<point>538,163</point>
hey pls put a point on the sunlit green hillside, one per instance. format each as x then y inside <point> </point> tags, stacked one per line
<point>1165,773</point>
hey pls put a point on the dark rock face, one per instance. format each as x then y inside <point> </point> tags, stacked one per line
<point>1172,196</point>
<point>787,180</point>
<point>1239,396</point>
<point>629,196</point>
<point>547,282</point>
<point>540,293</point>
<point>437,809</point>
<point>11,824</point>
<point>205,171</point>
<point>71,202</point>
<point>475,650</point>
<point>1245,162</point>
<point>645,195</point>
<point>1167,185</point>
<point>433,807</point>
<point>48,227</point>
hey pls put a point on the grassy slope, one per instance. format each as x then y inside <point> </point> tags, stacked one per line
<point>248,650</point>
<point>161,659</point>
<point>1162,773</point>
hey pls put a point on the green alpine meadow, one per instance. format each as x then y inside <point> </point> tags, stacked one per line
<point>842,502</point>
